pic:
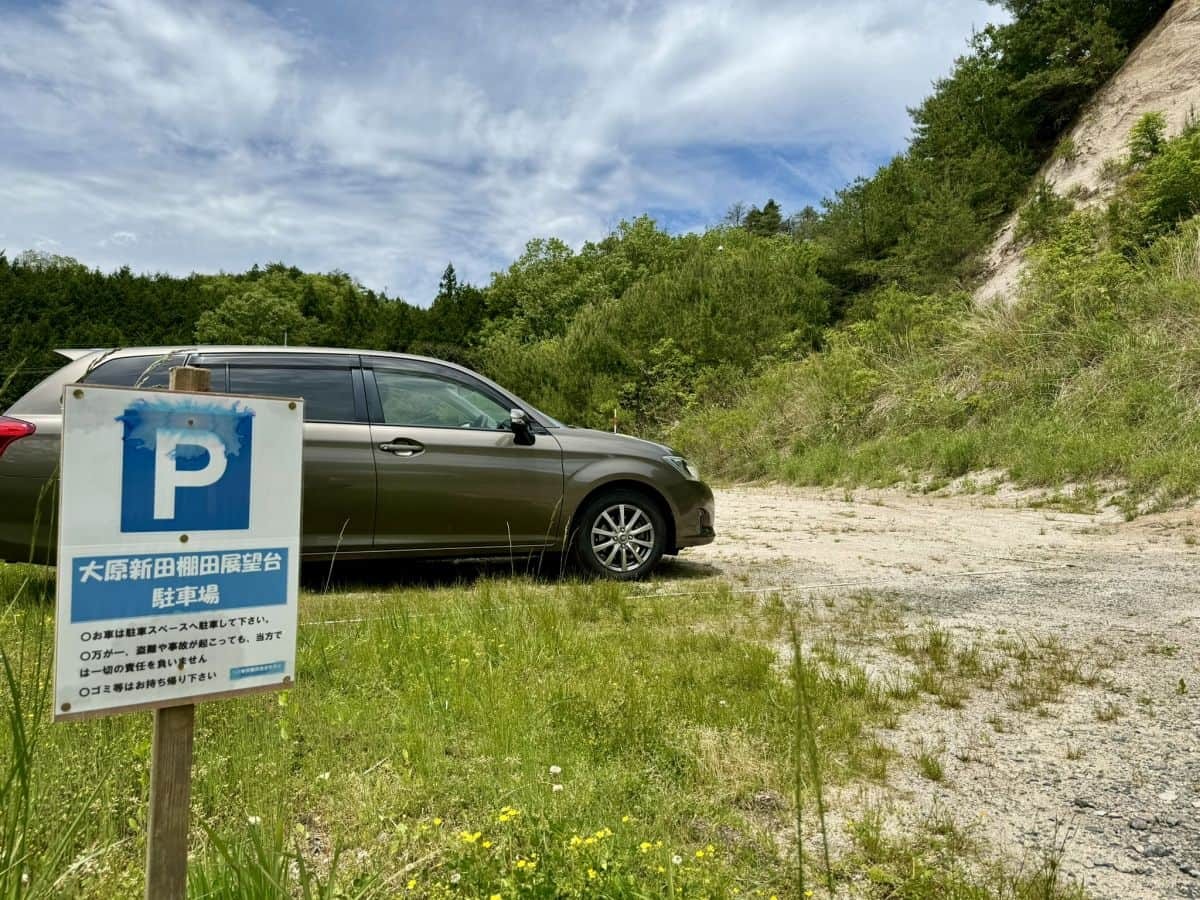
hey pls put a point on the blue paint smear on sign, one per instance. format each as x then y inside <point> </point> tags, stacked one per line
<point>123,587</point>
<point>196,501</point>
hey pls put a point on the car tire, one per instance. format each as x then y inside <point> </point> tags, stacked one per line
<point>620,535</point>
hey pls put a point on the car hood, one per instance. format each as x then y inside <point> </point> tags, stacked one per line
<point>606,442</point>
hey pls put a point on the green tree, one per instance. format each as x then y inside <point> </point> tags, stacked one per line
<point>766,221</point>
<point>253,316</point>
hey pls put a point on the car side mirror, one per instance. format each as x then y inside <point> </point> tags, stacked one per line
<point>522,433</point>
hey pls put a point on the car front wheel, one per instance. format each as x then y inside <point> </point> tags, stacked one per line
<point>621,535</point>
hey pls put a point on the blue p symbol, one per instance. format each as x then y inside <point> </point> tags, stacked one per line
<point>185,466</point>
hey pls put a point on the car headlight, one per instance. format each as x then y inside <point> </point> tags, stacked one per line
<point>686,469</point>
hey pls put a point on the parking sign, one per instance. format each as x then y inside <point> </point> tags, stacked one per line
<point>179,548</point>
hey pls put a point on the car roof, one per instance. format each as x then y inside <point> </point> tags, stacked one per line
<point>82,360</point>
<point>118,352</point>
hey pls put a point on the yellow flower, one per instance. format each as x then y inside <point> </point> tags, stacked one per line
<point>626,819</point>
<point>645,846</point>
<point>496,897</point>
<point>469,837</point>
<point>437,821</point>
<point>593,874</point>
<point>699,854</point>
<point>412,883</point>
<point>487,845</point>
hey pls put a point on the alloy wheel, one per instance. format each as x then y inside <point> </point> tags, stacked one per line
<point>622,538</point>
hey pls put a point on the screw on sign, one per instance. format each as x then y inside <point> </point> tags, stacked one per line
<point>178,559</point>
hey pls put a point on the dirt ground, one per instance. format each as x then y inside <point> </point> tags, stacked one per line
<point>1111,770</point>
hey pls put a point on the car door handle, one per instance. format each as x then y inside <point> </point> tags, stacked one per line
<point>403,447</point>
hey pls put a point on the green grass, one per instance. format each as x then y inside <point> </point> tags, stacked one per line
<point>506,737</point>
<point>941,859</point>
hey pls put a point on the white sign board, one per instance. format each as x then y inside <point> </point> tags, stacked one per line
<point>178,550</point>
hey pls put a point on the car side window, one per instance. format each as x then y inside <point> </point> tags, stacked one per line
<point>426,401</point>
<point>328,392</point>
<point>151,371</point>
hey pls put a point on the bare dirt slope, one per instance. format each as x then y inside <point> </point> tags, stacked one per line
<point>1162,74</point>
<point>1111,768</point>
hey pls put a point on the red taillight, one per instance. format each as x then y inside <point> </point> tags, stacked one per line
<point>13,430</point>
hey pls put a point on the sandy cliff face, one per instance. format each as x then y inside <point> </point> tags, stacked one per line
<point>1162,74</point>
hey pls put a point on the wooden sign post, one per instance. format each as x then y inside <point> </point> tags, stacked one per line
<point>171,757</point>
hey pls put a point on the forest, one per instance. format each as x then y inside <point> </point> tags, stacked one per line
<point>801,335</point>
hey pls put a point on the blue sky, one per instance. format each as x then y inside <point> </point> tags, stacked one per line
<point>386,139</point>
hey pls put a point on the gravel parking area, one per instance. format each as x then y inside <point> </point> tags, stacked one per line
<point>1110,769</point>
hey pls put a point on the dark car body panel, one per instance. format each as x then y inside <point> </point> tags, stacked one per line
<point>372,488</point>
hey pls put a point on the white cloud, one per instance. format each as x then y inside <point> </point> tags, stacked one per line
<point>214,134</point>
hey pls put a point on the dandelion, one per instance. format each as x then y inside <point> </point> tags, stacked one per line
<point>676,859</point>
<point>496,897</point>
<point>469,837</point>
<point>556,770</point>
<point>254,820</point>
<point>412,883</point>
<point>593,874</point>
<point>645,846</point>
<point>699,854</point>
<point>556,788</point>
<point>436,821</point>
<point>455,877</point>
<point>626,819</point>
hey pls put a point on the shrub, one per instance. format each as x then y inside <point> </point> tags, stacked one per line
<point>1147,138</point>
<point>1041,216</point>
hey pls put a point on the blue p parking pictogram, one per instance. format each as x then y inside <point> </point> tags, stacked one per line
<point>185,466</point>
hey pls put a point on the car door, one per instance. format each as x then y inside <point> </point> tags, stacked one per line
<point>339,464</point>
<point>451,475</point>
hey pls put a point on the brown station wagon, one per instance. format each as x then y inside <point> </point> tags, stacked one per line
<point>403,457</point>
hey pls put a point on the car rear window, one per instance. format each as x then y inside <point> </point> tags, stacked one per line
<point>150,371</point>
<point>328,393</point>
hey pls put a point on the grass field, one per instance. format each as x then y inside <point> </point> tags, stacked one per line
<point>499,738</point>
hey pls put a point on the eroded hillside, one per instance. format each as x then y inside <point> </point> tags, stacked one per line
<point>1161,75</point>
